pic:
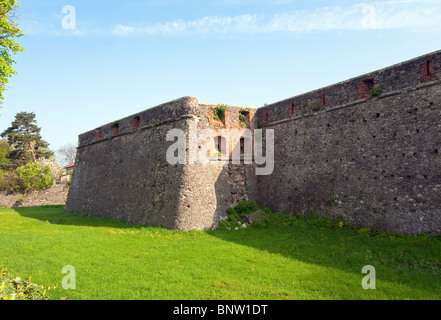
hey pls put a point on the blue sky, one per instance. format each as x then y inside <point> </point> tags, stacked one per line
<point>128,56</point>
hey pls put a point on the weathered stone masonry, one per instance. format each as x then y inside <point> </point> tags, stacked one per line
<point>373,161</point>
<point>121,170</point>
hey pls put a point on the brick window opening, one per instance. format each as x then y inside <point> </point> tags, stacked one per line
<point>244,117</point>
<point>292,109</point>
<point>365,87</point>
<point>98,134</point>
<point>136,122</point>
<point>242,146</point>
<point>428,71</point>
<point>115,128</point>
<point>220,113</point>
<point>220,144</point>
<point>266,116</point>
<point>246,147</point>
<point>323,99</point>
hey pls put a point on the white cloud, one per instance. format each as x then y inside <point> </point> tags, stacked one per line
<point>408,15</point>
<point>242,23</point>
<point>121,30</point>
<point>411,15</point>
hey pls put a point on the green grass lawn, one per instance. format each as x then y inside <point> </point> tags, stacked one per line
<point>279,258</point>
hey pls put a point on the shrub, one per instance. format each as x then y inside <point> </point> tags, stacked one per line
<point>376,91</point>
<point>32,176</point>
<point>10,182</point>
<point>14,288</point>
<point>219,112</point>
<point>245,207</point>
<point>234,215</point>
<point>223,225</point>
<point>315,106</point>
<point>55,167</point>
<point>232,221</point>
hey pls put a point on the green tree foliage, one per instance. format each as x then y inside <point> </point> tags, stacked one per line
<point>24,137</point>
<point>8,32</point>
<point>5,149</point>
<point>31,177</point>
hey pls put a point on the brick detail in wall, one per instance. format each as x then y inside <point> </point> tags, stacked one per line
<point>365,87</point>
<point>98,134</point>
<point>428,70</point>
<point>323,100</point>
<point>136,122</point>
<point>292,109</point>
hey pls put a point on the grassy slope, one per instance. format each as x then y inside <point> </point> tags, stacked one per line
<point>282,258</point>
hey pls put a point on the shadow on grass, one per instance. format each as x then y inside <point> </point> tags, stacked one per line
<point>57,215</point>
<point>413,262</point>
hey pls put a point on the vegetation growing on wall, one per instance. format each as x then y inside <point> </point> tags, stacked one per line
<point>315,106</point>
<point>219,112</point>
<point>243,114</point>
<point>376,91</point>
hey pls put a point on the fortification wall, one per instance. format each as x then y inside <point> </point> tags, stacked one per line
<point>210,189</point>
<point>122,172</point>
<point>372,161</point>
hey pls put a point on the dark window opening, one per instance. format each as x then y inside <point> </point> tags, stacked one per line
<point>244,117</point>
<point>219,113</point>
<point>369,83</point>
<point>242,146</point>
<point>292,109</point>
<point>136,122</point>
<point>246,148</point>
<point>98,134</point>
<point>428,71</point>
<point>220,144</point>
<point>365,87</point>
<point>266,116</point>
<point>324,100</point>
<point>115,128</point>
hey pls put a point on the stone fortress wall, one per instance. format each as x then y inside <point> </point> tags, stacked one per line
<point>121,171</point>
<point>373,161</point>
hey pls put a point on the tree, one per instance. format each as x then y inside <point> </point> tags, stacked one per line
<point>25,139</point>
<point>5,150</point>
<point>67,154</point>
<point>8,32</point>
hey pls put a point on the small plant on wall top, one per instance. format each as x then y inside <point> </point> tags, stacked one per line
<point>243,115</point>
<point>315,106</point>
<point>219,112</point>
<point>376,91</point>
